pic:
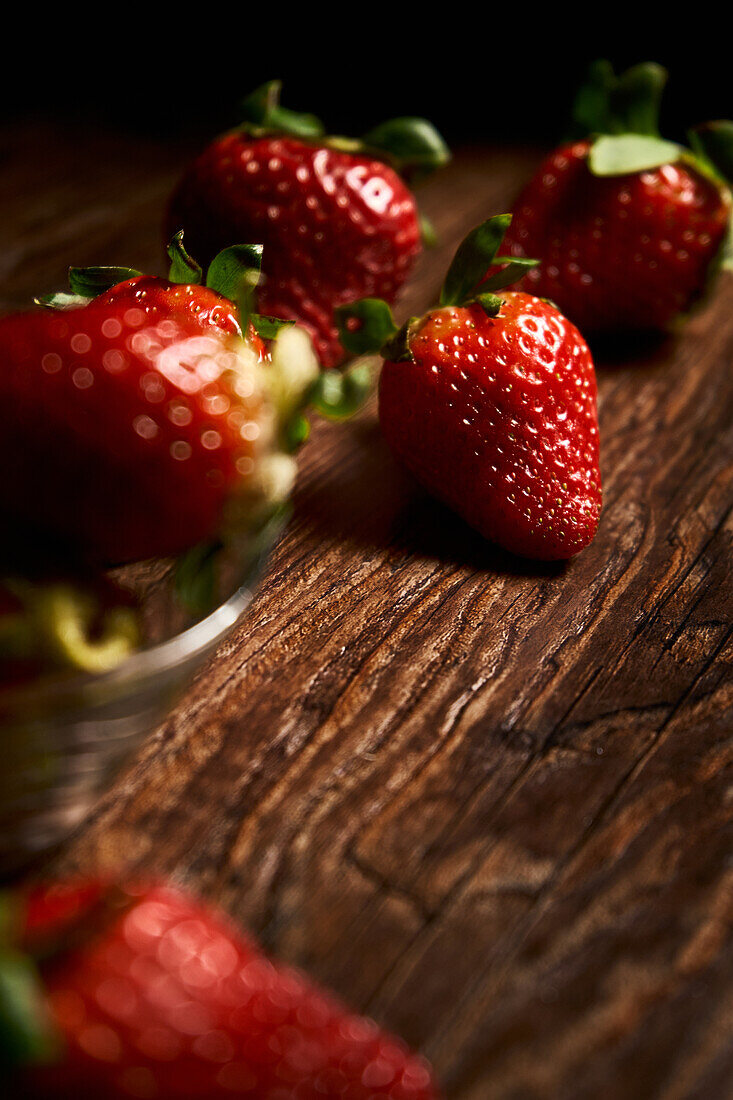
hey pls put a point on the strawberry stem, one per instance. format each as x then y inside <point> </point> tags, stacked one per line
<point>624,104</point>
<point>262,109</point>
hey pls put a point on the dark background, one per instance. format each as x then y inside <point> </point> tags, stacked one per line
<point>479,75</point>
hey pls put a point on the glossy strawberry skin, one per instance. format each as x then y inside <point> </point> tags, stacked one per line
<point>335,226</point>
<point>621,252</point>
<point>124,437</point>
<point>497,417</point>
<point>159,298</point>
<point>160,998</point>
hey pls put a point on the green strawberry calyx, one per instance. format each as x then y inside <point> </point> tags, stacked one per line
<point>627,103</point>
<point>230,268</point>
<point>368,325</point>
<point>411,144</point>
<point>621,113</point>
<point>27,1036</point>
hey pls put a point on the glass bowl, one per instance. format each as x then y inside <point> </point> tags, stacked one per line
<point>65,737</point>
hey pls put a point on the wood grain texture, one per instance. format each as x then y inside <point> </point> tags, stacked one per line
<point>488,802</point>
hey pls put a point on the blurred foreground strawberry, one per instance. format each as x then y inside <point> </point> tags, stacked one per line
<point>146,993</point>
<point>629,228</point>
<point>139,423</point>
<point>336,220</point>
<point>490,401</point>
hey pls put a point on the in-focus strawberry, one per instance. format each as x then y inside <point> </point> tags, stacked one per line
<point>490,401</point>
<point>135,434</point>
<point>337,221</point>
<point>629,228</point>
<point>147,993</point>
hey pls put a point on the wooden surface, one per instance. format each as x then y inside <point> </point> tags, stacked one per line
<point>488,802</point>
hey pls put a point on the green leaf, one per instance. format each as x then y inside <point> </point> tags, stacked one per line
<point>475,255</point>
<point>233,266</point>
<point>626,153</point>
<point>296,432</point>
<point>412,143</point>
<point>195,578</point>
<point>26,1036</point>
<point>268,327</point>
<point>375,324</point>
<point>428,232</point>
<point>61,300</point>
<point>713,143</point>
<point>515,268</point>
<point>262,108</point>
<point>337,394</point>
<point>590,111</point>
<point>91,281</point>
<point>724,259</point>
<point>629,103</point>
<point>183,269</point>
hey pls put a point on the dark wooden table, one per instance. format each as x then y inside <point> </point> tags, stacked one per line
<point>489,803</point>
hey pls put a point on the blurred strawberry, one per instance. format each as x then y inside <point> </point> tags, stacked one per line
<point>490,401</point>
<point>629,228</point>
<point>336,219</point>
<point>138,430</point>
<point>147,993</point>
<point>182,294</point>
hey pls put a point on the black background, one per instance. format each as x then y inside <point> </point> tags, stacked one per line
<point>480,74</point>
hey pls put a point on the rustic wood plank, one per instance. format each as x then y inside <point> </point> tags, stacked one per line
<point>488,801</point>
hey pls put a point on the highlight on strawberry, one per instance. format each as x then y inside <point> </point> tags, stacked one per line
<point>630,229</point>
<point>490,401</point>
<point>153,418</point>
<point>116,991</point>
<point>337,219</point>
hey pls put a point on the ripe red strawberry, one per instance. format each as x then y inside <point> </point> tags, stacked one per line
<point>490,401</point>
<point>155,996</point>
<point>336,221</point>
<point>628,227</point>
<point>160,298</point>
<point>129,439</point>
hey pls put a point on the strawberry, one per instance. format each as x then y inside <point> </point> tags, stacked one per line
<point>628,227</point>
<point>150,994</point>
<point>490,401</point>
<point>337,222</point>
<point>139,434</point>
